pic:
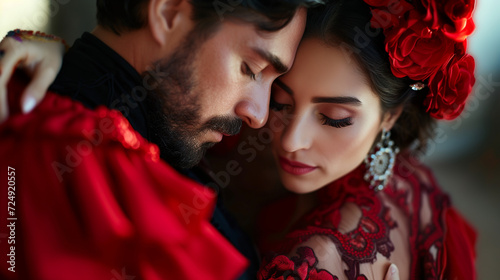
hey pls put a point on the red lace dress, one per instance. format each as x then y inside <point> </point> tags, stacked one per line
<point>354,232</point>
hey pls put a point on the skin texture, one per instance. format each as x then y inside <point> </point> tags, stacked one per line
<point>322,71</point>
<point>209,88</point>
<point>224,85</point>
<point>212,86</point>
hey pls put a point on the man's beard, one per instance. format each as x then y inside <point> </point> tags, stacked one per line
<point>174,110</point>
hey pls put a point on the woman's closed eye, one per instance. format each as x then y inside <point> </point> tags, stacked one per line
<point>338,123</point>
<point>275,106</point>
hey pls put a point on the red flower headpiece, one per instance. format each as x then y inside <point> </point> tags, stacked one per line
<point>426,41</point>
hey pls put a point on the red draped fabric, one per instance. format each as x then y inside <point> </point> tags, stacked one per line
<point>459,247</point>
<point>92,200</point>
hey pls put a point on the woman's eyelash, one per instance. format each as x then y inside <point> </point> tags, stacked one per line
<point>275,106</point>
<point>336,123</point>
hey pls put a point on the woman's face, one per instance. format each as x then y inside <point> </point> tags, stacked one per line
<point>329,117</point>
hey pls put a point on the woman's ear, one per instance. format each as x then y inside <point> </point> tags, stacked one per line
<point>390,117</point>
<point>168,18</point>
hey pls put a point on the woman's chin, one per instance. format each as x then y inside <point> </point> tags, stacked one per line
<point>298,185</point>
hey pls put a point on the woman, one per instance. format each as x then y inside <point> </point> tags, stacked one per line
<point>356,105</point>
<point>355,108</point>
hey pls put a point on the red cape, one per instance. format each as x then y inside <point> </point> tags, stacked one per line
<point>92,200</point>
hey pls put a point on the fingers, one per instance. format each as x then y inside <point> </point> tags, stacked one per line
<point>392,273</point>
<point>41,80</point>
<point>42,60</point>
<point>7,66</point>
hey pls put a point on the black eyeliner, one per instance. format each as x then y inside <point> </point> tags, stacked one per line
<point>336,123</point>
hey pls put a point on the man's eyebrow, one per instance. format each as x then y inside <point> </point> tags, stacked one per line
<point>283,86</point>
<point>338,100</point>
<point>274,60</point>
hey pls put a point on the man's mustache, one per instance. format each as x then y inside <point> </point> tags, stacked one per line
<point>225,125</point>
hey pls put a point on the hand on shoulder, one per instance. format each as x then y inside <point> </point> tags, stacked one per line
<point>40,55</point>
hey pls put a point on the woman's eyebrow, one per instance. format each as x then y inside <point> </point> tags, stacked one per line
<point>338,100</point>
<point>284,86</point>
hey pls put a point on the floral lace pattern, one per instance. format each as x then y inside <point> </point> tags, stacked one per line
<point>371,235</point>
<point>413,190</point>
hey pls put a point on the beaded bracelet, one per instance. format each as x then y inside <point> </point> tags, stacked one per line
<point>19,35</point>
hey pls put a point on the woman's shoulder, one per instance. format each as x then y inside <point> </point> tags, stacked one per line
<point>413,170</point>
<point>414,186</point>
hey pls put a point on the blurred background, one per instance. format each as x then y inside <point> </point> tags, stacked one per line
<point>465,156</point>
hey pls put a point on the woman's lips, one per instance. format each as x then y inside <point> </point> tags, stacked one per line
<point>294,167</point>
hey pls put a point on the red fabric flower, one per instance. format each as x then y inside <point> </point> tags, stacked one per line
<point>453,17</point>
<point>421,38</point>
<point>417,51</point>
<point>450,87</point>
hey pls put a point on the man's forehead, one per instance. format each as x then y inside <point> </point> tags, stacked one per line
<point>277,47</point>
<point>281,46</point>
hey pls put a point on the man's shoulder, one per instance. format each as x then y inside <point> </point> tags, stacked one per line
<point>61,119</point>
<point>90,186</point>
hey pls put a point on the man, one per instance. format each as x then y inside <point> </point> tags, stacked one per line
<point>104,205</point>
<point>183,73</point>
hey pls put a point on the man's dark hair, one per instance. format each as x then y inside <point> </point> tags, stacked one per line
<point>268,15</point>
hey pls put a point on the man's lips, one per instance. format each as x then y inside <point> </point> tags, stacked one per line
<point>294,167</point>
<point>219,135</point>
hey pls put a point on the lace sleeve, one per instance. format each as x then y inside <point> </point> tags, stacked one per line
<point>319,259</point>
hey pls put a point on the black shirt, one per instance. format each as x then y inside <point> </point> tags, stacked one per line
<point>96,75</point>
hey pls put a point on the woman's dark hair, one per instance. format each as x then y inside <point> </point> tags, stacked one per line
<point>346,24</point>
<point>268,15</point>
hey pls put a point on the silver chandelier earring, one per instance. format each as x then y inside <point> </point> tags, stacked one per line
<point>380,162</point>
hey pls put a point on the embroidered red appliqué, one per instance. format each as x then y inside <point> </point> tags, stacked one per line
<point>302,267</point>
<point>371,236</point>
<point>433,251</point>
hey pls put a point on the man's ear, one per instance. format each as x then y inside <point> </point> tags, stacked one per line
<point>390,117</point>
<point>168,18</point>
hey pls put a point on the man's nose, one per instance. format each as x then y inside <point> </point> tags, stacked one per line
<point>254,110</point>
